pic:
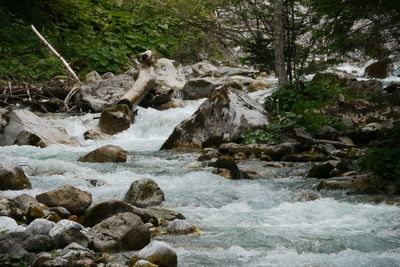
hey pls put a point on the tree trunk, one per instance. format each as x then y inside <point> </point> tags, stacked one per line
<point>145,81</point>
<point>279,44</point>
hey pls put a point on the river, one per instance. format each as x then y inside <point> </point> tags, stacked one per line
<point>243,222</point>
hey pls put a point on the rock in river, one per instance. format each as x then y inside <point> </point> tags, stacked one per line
<point>13,179</point>
<point>220,119</point>
<point>107,153</point>
<point>144,193</point>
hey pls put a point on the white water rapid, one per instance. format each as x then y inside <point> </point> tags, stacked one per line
<point>243,222</point>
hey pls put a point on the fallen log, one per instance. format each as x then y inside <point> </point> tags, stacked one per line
<point>145,81</point>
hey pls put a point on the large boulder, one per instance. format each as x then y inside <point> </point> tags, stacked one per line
<point>108,208</point>
<point>144,193</point>
<point>220,119</point>
<point>116,119</point>
<point>123,231</point>
<point>101,92</point>
<point>13,179</point>
<point>26,128</point>
<point>169,75</point>
<point>107,153</point>
<point>13,249</point>
<point>156,252</point>
<point>39,227</point>
<point>8,224</point>
<point>202,87</point>
<point>73,199</point>
<point>379,69</point>
<point>11,209</point>
<point>66,232</point>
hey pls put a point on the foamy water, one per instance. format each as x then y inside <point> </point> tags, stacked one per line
<point>243,222</point>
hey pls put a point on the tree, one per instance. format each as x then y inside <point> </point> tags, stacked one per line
<point>279,44</point>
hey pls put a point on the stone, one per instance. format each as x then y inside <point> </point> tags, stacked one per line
<point>13,178</point>
<point>306,196</point>
<point>345,140</point>
<point>322,170</point>
<point>156,252</point>
<point>11,209</point>
<point>305,157</point>
<point>379,69</point>
<point>94,135</point>
<point>258,85</point>
<point>93,76</point>
<point>31,243</point>
<point>240,156</point>
<point>169,75</point>
<point>60,211</point>
<point>25,201</point>
<point>299,136</point>
<point>174,103</point>
<point>233,148</point>
<point>34,212</point>
<point>26,128</point>
<point>39,227</point>
<point>327,133</point>
<point>203,69</point>
<point>116,119</point>
<point>8,224</point>
<point>221,118</point>
<point>277,152</point>
<point>9,247</point>
<point>326,149</point>
<point>222,172</point>
<point>326,76</point>
<point>73,199</point>
<point>123,231</point>
<point>144,193</point>
<point>181,227</point>
<point>144,263</point>
<point>227,162</point>
<point>108,208</point>
<point>66,232</point>
<point>98,94</point>
<point>164,216</point>
<point>108,153</point>
<point>200,87</point>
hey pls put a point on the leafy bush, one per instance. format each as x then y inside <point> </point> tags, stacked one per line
<point>384,158</point>
<point>12,261</point>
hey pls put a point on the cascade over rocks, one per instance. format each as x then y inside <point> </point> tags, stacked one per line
<point>26,128</point>
<point>13,179</point>
<point>221,118</point>
<point>73,199</point>
<point>144,193</point>
<point>123,231</point>
<point>116,119</point>
<point>107,153</point>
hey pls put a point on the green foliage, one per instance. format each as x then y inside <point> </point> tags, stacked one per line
<point>384,158</point>
<point>12,261</point>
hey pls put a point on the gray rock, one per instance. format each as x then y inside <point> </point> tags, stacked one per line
<point>327,133</point>
<point>8,224</point>
<point>107,153</point>
<point>157,252</point>
<point>123,231</point>
<point>144,193</point>
<point>169,75</point>
<point>31,243</point>
<point>322,170</point>
<point>203,69</point>
<point>94,135</point>
<point>164,216</point>
<point>66,232</point>
<point>13,178</point>
<point>9,247</point>
<point>181,227</point>
<point>144,263</point>
<point>67,196</point>
<point>221,118</point>
<point>60,211</point>
<point>11,209</point>
<point>307,196</point>
<point>25,201</point>
<point>26,128</point>
<point>39,227</point>
<point>277,152</point>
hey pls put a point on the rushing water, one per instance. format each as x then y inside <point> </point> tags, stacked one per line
<point>243,223</point>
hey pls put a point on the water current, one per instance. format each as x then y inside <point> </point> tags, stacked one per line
<point>243,222</point>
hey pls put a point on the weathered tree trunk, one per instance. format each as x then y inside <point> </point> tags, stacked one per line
<point>279,44</point>
<point>145,81</point>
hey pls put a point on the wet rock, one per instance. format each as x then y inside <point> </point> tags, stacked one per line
<point>144,263</point>
<point>240,156</point>
<point>123,231</point>
<point>94,135</point>
<point>174,103</point>
<point>208,154</point>
<point>25,201</point>
<point>108,208</point>
<point>336,144</point>
<point>304,157</point>
<point>302,138</point>
<point>60,211</point>
<point>322,170</point>
<point>101,93</point>
<point>66,196</point>
<point>169,75</point>
<point>345,140</point>
<point>358,184</point>
<point>233,148</point>
<point>222,172</point>
<point>164,216</point>
<point>192,165</point>
<point>327,133</point>
<point>326,76</point>
<point>221,118</point>
<point>156,252</point>
<point>9,247</point>
<point>181,227</point>
<point>227,162</point>
<point>11,209</point>
<point>326,149</point>
<point>13,178</point>
<point>277,152</point>
<point>144,193</point>
<point>107,153</point>
<point>203,69</point>
<point>26,128</point>
<point>379,69</point>
<point>34,212</point>
<point>116,119</point>
<point>66,232</point>
<point>8,224</point>
<point>31,243</point>
<point>200,87</point>
<point>307,196</point>
<point>258,85</point>
<point>39,227</point>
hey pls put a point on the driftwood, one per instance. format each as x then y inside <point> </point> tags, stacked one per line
<point>145,81</point>
<point>55,53</point>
